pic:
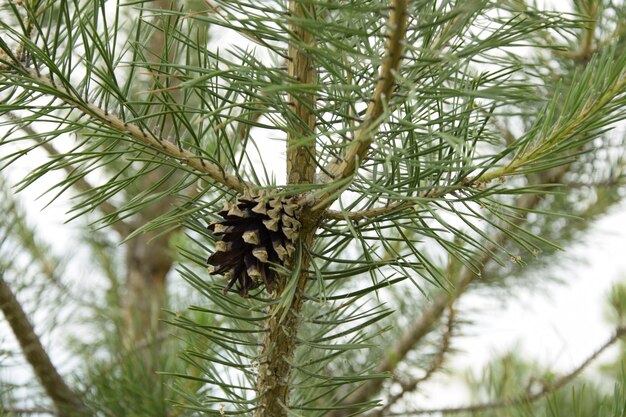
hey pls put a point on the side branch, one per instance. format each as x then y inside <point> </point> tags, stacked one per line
<point>436,365</point>
<point>364,136</point>
<point>81,184</point>
<point>397,205</point>
<point>368,213</point>
<point>382,93</point>
<point>139,134</point>
<point>65,400</point>
<point>547,389</point>
<point>433,313</point>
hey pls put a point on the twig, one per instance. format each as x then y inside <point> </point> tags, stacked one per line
<point>138,134</point>
<point>368,213</point>
<point>64,398</point>
<point>80,183</point>
<point>401,205</point>
<point>431,314</point>
<point>34,410</point>
<point>364,137</point>
<point>525,398</point>
<point>434,367</point>
<point>566,131</point>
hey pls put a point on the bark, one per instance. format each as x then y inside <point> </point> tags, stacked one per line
<point>279,344</point>
<point>65,400</point>
<point>281,328</point>
<point>301,162</point>
<point>148,262</point>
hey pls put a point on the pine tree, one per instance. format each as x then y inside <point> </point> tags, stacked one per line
<point>428,149</point>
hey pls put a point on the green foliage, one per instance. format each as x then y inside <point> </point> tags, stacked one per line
<point>511,377</point>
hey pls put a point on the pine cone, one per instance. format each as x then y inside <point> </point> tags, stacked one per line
<point>256,232</point>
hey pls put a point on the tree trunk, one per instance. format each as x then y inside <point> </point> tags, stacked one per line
<point>147,263</point>
<point>148,259</point>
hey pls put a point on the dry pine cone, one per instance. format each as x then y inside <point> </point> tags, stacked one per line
<point>256,232</point>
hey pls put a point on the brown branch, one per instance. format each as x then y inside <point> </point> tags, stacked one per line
<point>67,402</point>
<point>357,150</point>
<point>80,183</point>
<point>434,367</point>
<point>527,398</point>
<point>382,93</point>
<point>433,312</point>
<point>18,410</point>
<point>368,213</point>
<point>137,133</point>
<point>396,205</point>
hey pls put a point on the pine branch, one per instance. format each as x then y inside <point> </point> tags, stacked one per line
<point>432,314</point>
<point>67,402</point>
<point>560,133</point>
<point>28,411</point>
<point>80,183</point>
<point>366,214</point>
<point>434,368</point>
<point>134,131</point>
<point>527,398</point>
<point>357,150</point>
<point>513,168</point>
<point>569,131</point>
